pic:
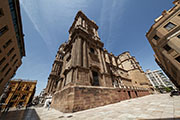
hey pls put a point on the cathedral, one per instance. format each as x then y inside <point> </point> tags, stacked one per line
<point>85,75</point>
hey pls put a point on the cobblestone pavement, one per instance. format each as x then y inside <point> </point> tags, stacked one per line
<point>157,106</point>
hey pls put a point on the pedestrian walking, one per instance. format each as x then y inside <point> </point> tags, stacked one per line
<point>48,104</point>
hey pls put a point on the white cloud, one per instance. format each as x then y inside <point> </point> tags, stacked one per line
<point>110,11</point>
<point>50,17</point>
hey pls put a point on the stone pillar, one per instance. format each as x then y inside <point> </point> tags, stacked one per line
<point>49,85</point>
<point>54,67</point>
<point>79,21</point>
<point>101,61</point>
<point>79,51</point>
<point>73,53</point>
<point>104,63</point>
<point>85,57</point>
<point>47,88</point>
<point>84,24</point>
<point>94,32</point>
<point>52,84</point>
<point>74,78</point>
<point>58,86</point>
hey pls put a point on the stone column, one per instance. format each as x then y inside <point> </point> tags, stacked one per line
<point>101,62</point>
<point>52,84</point>
<point>104,63</point>
<point>60,84</point>
<point>54,67</point>
<point>57,69</point>
<point>84,24</point>
<point>75,76</point>
<point>79,21</point>
<point>57,88</point>
<point>79,51</point>
<point>73,53</point>
<point>85,64</point>
<point>47,87</point>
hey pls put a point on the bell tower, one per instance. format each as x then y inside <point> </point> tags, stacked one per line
<point>81,22</point>
<point>84,47</point>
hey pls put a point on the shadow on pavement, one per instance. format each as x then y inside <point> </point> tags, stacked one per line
<point>178,118</point>
<point>25,114</point>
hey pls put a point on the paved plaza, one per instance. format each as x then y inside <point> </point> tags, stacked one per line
<point>157,106</point>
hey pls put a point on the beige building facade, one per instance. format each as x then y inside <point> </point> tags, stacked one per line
<point>164,37</point>
<point>11,40</point>
<point>85,75</point>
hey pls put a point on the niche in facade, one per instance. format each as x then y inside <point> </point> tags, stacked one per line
<point>95,81</point>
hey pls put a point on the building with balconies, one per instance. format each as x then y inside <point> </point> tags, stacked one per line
<point>158,79</point>
<point>19,93</point>
<point>11,40</point>
<point>164,37</point>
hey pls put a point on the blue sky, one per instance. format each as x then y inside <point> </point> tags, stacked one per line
<point>122,27</point>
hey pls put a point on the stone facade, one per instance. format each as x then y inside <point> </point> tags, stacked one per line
<point>164,37</point>
<point>85,75</point>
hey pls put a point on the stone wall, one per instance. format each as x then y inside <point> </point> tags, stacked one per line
<point>64,100</point>
<point>77,98</point>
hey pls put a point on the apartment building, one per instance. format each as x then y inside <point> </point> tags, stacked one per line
<point>164,37</point>
<point>11,40</point>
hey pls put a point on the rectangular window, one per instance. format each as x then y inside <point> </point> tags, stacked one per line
<point>13,57</point>
<point>178,36</point>
<point>1,12</point>
<point>2,60</point>
<point>21,103</point>
<point>11,104</point>
<point>156,37</point>
<point>178,59</point>
<point>1,80</point>
<point>19,88</point>
<point>5,67</point>
<point>174,71</point>
<point>9,53</point>
<point>3,30</point>
<point>22,98</point>
<point>7,72</point>
<point>169,26</point>
<point>15,62</point>
<point>27,88</point>
<point>7,44</point>
<point>167,47</point>
<point>14,97</point>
